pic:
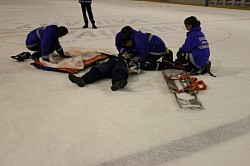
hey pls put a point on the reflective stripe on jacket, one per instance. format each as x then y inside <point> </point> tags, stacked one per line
<point>85,1</point>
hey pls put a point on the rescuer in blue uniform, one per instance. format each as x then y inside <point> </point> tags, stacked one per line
<point>45,40</point>
<point>194,53</point>
<point>146,48</point>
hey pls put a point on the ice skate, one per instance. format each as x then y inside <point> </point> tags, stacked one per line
<point>119,85</point>
<point>77,80</point>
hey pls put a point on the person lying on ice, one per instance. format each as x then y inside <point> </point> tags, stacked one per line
<point>193,56</point>
<point>45,40</point>
<point>145,48</point>
<point>117,68</point>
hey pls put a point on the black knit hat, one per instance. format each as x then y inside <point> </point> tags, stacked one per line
<point>62,31</point>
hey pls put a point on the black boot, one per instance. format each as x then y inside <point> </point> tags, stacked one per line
<point>168,56</point>
<point>77,80</point>
<point>168,65</point>
<point>35,56</point>
<point>119,85</point>
<point>86,24</point>
<point>93,24</point>
<point>206,68</point>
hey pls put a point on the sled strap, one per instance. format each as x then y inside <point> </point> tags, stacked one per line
<point>193,83</point>
<point>211,74</point>
<point>197,85</point>
<point>91,61</point>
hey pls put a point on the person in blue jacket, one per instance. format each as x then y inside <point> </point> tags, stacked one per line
<point>45,40</point>
<point>86,7</point>
<point>194,53</point>
<point>145,48</point>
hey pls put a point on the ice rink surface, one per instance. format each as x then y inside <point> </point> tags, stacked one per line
<point>47,121</point>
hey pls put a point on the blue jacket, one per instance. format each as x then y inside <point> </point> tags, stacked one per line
<point>47,37</point>
<point>197,44</point>
<point>85,1</point>
<point>143,43</point>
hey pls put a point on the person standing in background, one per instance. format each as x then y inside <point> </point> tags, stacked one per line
<point>86,7</point>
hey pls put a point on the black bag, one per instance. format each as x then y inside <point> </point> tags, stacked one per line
<point>22,56</point>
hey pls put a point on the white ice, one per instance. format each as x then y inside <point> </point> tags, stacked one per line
<point>45,120</point>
